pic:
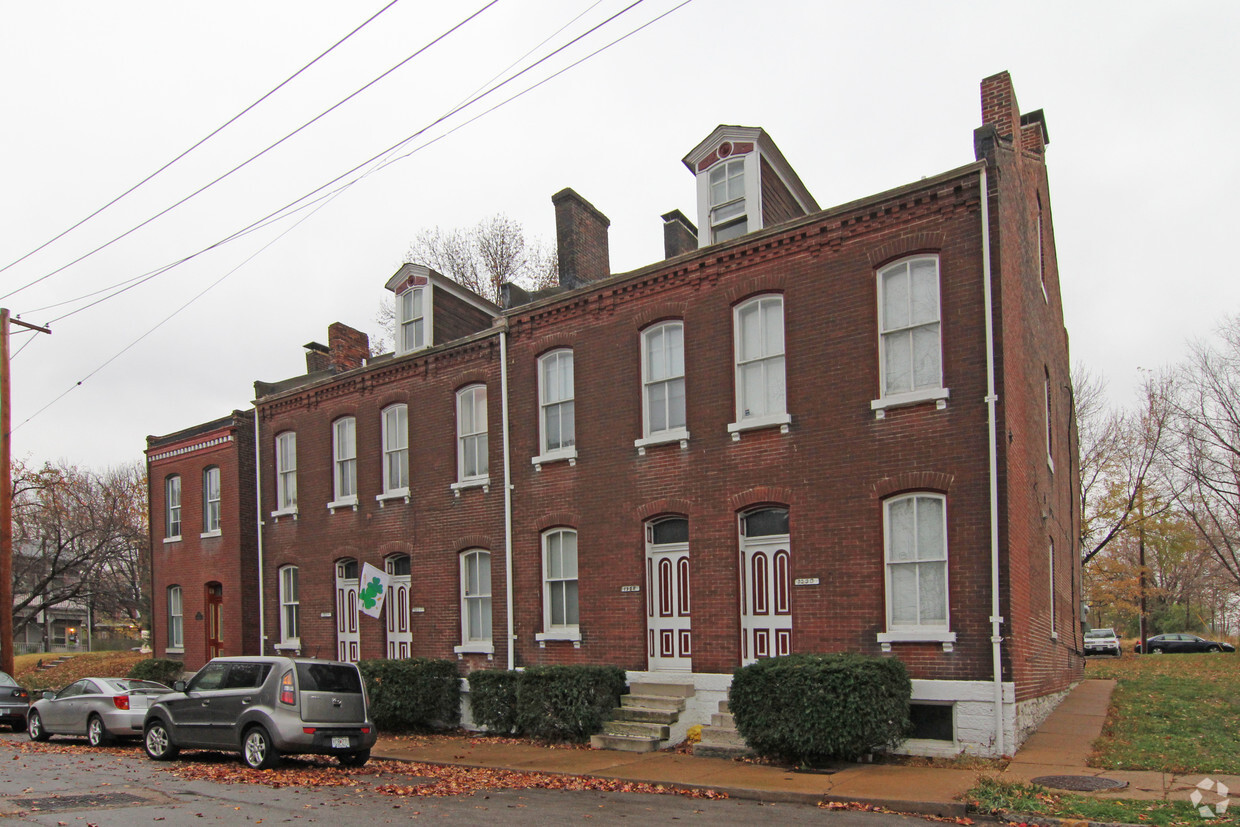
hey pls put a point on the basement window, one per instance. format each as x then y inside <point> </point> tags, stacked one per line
<point>932,722</point>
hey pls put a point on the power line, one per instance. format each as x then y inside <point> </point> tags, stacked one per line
<point>254,157</point>
<point>201,141</point>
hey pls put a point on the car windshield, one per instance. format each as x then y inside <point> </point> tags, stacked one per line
<point>6,680</point>
<point>1100,633</point>
<point>126,685</point>
<point>326,677</point>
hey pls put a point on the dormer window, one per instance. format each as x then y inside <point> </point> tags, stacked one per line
<point>728,217</point>
<point>411,318</point>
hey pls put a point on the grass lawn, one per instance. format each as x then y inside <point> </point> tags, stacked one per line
<point>1169,713</point>
<point>85,664</point>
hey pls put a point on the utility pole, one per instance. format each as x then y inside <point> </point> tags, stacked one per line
<point>6,493</point>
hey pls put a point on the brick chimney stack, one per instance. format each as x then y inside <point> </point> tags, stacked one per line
<point>347,348</point>
<point>679,235</point>
<point>581,240</point>
<point>1003,124</point>
<point>999,107</point>
<point>316,357</point>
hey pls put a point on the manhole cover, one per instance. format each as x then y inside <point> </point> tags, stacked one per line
<point>74,802</point>
<point>1080,783</point>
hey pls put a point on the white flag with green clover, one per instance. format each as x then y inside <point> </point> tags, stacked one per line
<point>371,588</point>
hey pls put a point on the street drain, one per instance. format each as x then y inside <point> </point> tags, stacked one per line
<point>76,802</point>
<point>1080,783</point>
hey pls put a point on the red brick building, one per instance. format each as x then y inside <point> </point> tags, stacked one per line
<point>806,430</point>
<point>204,589</point>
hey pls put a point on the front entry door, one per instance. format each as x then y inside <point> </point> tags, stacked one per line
<point>347,638</point>
<point>215,620</point>
<point>669,635</point>
<point>766,586</point>
<point>399,633</point>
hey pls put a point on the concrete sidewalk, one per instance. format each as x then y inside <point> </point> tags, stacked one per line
<point>1061,746</point>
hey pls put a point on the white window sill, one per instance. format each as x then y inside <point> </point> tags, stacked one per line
<point>475,649</point>
<point>479,482</point>
<point>567,634</point>
<point>943,636</point>
<point>569,454</point>
<point>394,494</point>
<point>901,400</point>
<point>174,650</point>
<point>343,502</point>
<point>284,512</point>
<point>216,533</point>
<point>753,423</point>
<point>680,435</point>
<point>175,539</point>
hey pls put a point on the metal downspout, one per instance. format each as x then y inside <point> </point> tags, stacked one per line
<point>503,384</point>
<point>996,639</point>
<point>258,525</point>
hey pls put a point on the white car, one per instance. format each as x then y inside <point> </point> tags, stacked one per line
<point>1102,642</point>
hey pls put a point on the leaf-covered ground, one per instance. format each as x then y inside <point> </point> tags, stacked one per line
<point>86,664</point>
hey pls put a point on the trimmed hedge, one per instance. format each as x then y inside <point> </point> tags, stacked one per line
<point>551,703</point>
<point>807,709</point>
<point>160,670</point>
<point>413,694</point>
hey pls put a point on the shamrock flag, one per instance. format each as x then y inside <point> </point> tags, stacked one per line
<point>371,588</point>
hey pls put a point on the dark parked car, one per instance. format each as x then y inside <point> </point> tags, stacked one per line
<point>1182,643</point>
<point>263,707</point>
<point>14,701</point>
<point>99,708</point>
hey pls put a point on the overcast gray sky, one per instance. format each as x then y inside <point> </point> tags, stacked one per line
<point>1140,101</point>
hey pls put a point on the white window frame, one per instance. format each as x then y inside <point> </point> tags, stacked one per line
<point>211,501</point>
<point>394,421</point>
<point>474,400</point>
<point>290,607</point>
<point>679,433</point>
<point>1049,411</point>
<point>553,546</point>
<point>939,632</point>
<point>172,508</point>
<point>887,339</point>
<point>176,619</point>
<point>473,594</point>
<point>409,336</point>
<point>562,406</point>
<point>286,474</point>
<point>344,463</point>
<point>730,211</point>
<point>766,362</point>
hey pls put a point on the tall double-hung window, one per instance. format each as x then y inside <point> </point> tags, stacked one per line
<point>172,508</point>
<point>176,628</point>
<point>290,606</point>
<point>560,609</point>
<point>344,449</point>
<point>910,330</point>
<point>728,218</point>
<point>476,601</point>
<point>286,472</point>
<point>411,320</point>
<point>663,382</point>
<point>396,450</point>
<point>915,527</point>
<point>761,398</point>
<point>471,434</point>
<point>557,428</point>
<point>211,500</point>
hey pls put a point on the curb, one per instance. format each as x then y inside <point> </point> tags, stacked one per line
<point>1055,821</point>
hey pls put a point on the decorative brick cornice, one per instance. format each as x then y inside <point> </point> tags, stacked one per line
<point>189,449</point>
<point>665,505</point>
<point>927,242</point>
<point>761,495</point>
<point>913,481</point>
<point>552,519</point>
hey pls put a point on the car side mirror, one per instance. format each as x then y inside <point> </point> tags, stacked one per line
<point>49,694</point>
<point>179,686</point>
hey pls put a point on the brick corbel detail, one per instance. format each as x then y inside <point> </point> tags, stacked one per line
<point>471,541</point>
<point>666,505</point>
<point>906,245</point>
<point>913,481</point>
<point>660,312</point>
<point>769,283</point>
<point>762,495</point>
<point>552,519</point>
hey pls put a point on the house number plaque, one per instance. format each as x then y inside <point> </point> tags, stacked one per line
<point>629,589</point>
<point>805,581</point>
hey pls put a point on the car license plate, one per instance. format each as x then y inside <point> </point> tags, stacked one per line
<point>340,743</point>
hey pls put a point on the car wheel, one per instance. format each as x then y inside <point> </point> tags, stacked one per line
<point>158,743</point>
<point>34,728</point>
<point>257,750</point>
<point>354,759</point>
<point>96,734</point>
<point>1214,649</point>
<point>1157,650</point>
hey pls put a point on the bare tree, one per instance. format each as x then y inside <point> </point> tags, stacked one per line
<point>485,256</point>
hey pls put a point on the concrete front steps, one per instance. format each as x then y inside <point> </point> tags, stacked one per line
<point>645,717</point>
<point>720,739</point>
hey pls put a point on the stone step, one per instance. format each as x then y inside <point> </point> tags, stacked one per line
<point>652,702</point>
<point>718,737</point>
<point>660,732</point>
<point>724,720</point>
<point>708,751</point>
<point>678,690</point>
<point>723,707</point>
<point>624,743</point>
<point>652,716</point>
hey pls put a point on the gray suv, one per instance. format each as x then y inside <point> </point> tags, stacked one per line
<point>262,707</point>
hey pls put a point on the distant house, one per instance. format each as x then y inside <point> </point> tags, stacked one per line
<point>806,430</point>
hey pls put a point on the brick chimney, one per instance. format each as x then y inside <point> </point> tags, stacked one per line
<point>316,357</point>
<point>679,234</point>
<point>581,239</point>
<point>347,348</point>
<point>999,107</point>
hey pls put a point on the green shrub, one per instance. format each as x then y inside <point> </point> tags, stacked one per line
<point>807,709</point>
<point>567,703</point>
<point>493,698</point>
<point>160,670</point>
<point>419,693</point>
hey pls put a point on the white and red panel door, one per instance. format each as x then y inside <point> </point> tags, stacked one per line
<point>396,608</point>
<point>347,637</point>
<point>669,630</point>
<point>766,585</point>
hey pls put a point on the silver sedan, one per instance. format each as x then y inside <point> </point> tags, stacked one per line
<point>99,708</point>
